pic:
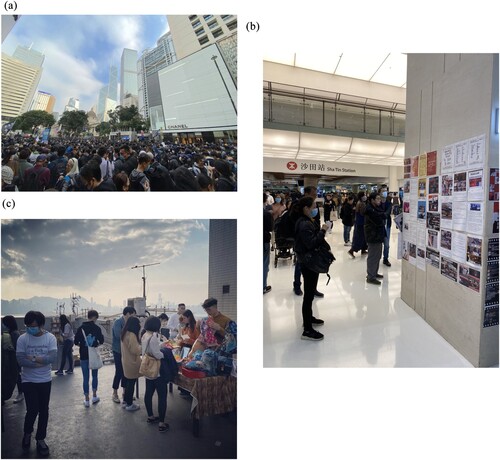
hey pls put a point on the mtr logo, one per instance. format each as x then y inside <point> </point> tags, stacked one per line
<point>291,165</point>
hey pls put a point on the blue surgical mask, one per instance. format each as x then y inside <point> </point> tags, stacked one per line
<point>32,330</point>
<point>278,200</point>
<point>314,213</point>
<point>384,194</point>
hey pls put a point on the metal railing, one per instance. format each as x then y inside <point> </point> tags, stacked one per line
<point>293,105</point>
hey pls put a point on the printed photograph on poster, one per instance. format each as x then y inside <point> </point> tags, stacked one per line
<point>477,149</point>
<point>406,187</point>
<point>491,295</point>
<point>460,215</point>
<point>421,214</point>
<point>493,194</point>
<point>406,250</point>
<point>431,163</point>
<point>447,159</point>
<point>475,218</point>
<point>469,277</point>
<point>413,250</point>
<point>446,214</point>
<point>421,259</point>
<point>492,272</point>
<point>432,238</point>
<point>406,207</point>
<point>490,316</point>
<point>474,250</point>
<point>422,165</point>
<point>476,187</point>
<point>432,257</point>
<point>459,246</point>
<point>407,168</point>
<point>446,242</point>
<point>414,166</point>
<point>447,185</point>
<point>433,185</point>
<point>494,217</point>
<point>493,249</point>
<point>422,188</point>
<point>433,203</point>
<point>433,220</point>
<point>460,186</point>
<point>461,154</point>
<point>449,268</point>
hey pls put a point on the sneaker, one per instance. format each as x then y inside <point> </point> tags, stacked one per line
<point>347,244</point>
<point>95,399</point>
<point>317,321</point>
<point>312,335</point>
<point>351,253</point>
<point>386,262</point>
<point>86,403</point>
<point>163,428</point>
<point>373,281</point>
<point>364,252</point>
<point>59,373</point>
<point>132,407</point>
<point>42,448</point>
<point>69,372</point>
<point>19,398</point>
<point>318,294</point>
<point>26,444</point>
<point>267,289</point>
<point>378,275</point>
<point>298,291</point>
<point>116,399</point>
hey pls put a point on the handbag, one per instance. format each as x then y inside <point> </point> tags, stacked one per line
<point>95,360</point>
<point>150,366</point>
<point>318,260</point>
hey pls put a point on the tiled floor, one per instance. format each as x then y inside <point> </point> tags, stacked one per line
<point>365,325</point>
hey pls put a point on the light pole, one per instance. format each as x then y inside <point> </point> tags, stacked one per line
<point>144,276</point>
<point>214,58</point>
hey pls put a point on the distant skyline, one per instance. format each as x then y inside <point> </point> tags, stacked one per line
<point>93,258</point>
<point>80,49</point>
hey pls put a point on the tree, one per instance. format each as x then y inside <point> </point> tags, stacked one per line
<point>74,121</point>
<point>103,128</point>
<point>125,118</point>
<point>28,120</point>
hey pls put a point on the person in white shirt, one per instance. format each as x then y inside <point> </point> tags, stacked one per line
<point>173,322</point>
<point>36,352</point>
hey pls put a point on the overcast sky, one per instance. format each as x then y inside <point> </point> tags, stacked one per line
<point>94,258</point>
<point>79,50</point>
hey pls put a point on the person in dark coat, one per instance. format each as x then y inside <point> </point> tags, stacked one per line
<point>268,228</point>
<point>347,216</point>
<point>374,234</point>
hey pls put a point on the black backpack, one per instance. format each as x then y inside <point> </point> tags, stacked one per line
<point>32,182</point>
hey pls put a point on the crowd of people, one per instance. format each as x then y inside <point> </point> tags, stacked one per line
<point>292,220</point>
<point>97,164</point>
<point>28,359</point>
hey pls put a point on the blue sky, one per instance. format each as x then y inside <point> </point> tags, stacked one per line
<point>79,49</point>
<point>94,258</point>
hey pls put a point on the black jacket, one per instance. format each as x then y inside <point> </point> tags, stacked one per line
<point>347,214</point>
<point>90,328</point>
<point>307,237</point>
<point>374,224</point>
<point>268,226</point>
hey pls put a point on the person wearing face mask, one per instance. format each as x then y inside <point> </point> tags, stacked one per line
<point>92,179</point>
<point>386,205</point>
<point>358,238</point>
<point>36,352</point>
<point>308,237</point>
<point>139,181</point>
<point>374,234</point>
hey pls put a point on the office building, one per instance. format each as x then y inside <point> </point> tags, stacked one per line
<point>72,105</point>
<point>128,78</point>
<point>43,101</point>
<point>108,95</point>
<point>29,56</point>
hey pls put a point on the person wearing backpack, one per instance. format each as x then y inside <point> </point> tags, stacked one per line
<point>307,238</point>
<point>37,178</point>
<point>224,181</point>
<point>107,168</point>
<point>57,167</point>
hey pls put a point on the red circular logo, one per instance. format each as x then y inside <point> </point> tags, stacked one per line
<point>291,165</point>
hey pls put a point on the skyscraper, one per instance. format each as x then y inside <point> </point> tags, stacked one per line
<point>20,77</point>
<point>72,105</point>
<point>128,78</point>
<point>43,101</point>
<point>150,63</point>
<point>108,95</point>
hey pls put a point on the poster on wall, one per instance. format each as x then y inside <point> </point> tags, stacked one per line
<point>469,277</point>
<point>406,207</point>
<point>459,248</point>
<point>422,165</point>
<point>421,259</point>
<point>406,188</point>
<point>474,253</point>
<point>460,186</point>
<point>414,167</point>
<point>476,187</point>
<point>433,239</point>
<point>422,188</point>
<point>491,295</point>
<point>449,269</point>
<point>433,185</point>
<point>432,257</point>
<point>447,159</point>
<point>446,213</point>
<point>492,272</point>
<point>477,150</point>
<point>460,215</point>
<point>490,316</point>
<point>447,185</point>
<point>446,242</point>
<point>475,218</point>
<point>412,252</point>
<point>493,191</point>
<point>407,168</point>
<point>460,155</point>
<point>493,249</point>
<point>433,220</point>
<point>431,163</point>
<point>421,234</point>
<point>433,203</point>
<point>495,218</point>
<point>421,213</point>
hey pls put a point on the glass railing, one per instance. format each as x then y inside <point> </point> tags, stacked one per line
<point>292,105</point>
